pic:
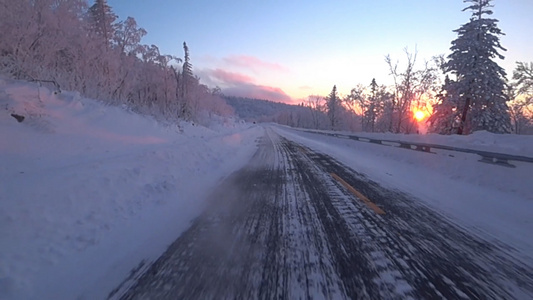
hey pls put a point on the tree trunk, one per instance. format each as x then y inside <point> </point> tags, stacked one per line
<point>460,130</point>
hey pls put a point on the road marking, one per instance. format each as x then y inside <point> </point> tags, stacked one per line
<point>367,201</point>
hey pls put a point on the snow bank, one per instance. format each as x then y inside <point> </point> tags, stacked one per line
<point>480,140</point>
<point>87,191</point>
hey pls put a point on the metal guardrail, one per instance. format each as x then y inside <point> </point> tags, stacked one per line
<point>499,159</point>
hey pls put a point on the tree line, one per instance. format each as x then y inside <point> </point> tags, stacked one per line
<point>87,49</point>
<point>464,92</point>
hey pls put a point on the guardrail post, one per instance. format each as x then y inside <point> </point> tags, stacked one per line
<point>423,148</point>
<point>496,161</point>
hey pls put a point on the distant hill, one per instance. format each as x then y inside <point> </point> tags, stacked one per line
<point>259,110</point>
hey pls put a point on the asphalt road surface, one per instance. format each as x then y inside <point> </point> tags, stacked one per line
<point>296,224</point>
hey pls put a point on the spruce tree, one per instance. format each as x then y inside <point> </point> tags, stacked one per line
<point>187,66</point>
<point>523,74</point>
<point>476,96</point>
<point>186,72</point>
<point>333,107</point>
<point>102,19</point>
<point>188,82</point>
<point>372,109</point>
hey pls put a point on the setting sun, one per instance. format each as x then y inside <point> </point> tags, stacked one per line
<point>419,115</point>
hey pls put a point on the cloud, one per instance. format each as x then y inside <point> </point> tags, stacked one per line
<point>242,85</point>
<point>305,87</point>
<point>253,63</point>
<point>222,78</point>
<point>258,92</point>
<point>229,77</point>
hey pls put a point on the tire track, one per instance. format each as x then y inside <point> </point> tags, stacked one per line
<point>260,241</point>
<point>433,255</point>
<point>283,228</point>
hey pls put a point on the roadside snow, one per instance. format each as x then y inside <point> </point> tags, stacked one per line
<point>491,200</point>
<point>87,191</point>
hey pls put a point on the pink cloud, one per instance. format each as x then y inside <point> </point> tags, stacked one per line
<point>253,63</point>
<point>241,85</point>
<point>229,77</point>
<point>258,92</point>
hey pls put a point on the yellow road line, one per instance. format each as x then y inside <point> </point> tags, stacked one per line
<point>367,201</point>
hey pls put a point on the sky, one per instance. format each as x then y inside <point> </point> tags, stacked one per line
<point>286,50</point>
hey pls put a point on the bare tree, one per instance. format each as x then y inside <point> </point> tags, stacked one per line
<point>355,102</point>
<point>410,86</point>
<point>316,105</point>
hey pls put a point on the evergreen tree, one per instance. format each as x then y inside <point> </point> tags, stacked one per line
<point>447,113</point>
<point>523,74</point>
<point>478,91</point>
<point>521,94</point>
<point>102,19</point>
<point>187,66</point>
<point>188,83</point>
<point>374,105</point>
<point>333,107</point>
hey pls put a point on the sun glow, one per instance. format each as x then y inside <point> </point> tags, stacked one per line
<point>419,115</point>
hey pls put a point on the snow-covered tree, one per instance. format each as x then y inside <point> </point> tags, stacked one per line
<point>371,102</point>
<point>477,93</point>
<point>187,85</point>
<point>374,106</point>
<point>357,103</point>
<point>102,20</point>
<point>521,95</point>
<point>187,66</point>
<point>315,104</point>
<point>523,74</point>
<point>128,36</point>
<point>446,116</point>
<point>83,49</point>
<point>334,111</point>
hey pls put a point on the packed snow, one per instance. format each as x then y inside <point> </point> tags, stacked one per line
<point>88,191</point>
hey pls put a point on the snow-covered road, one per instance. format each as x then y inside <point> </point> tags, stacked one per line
<point>296,223</point>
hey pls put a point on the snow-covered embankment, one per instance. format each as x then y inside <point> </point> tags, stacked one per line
<point>87,190</point>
